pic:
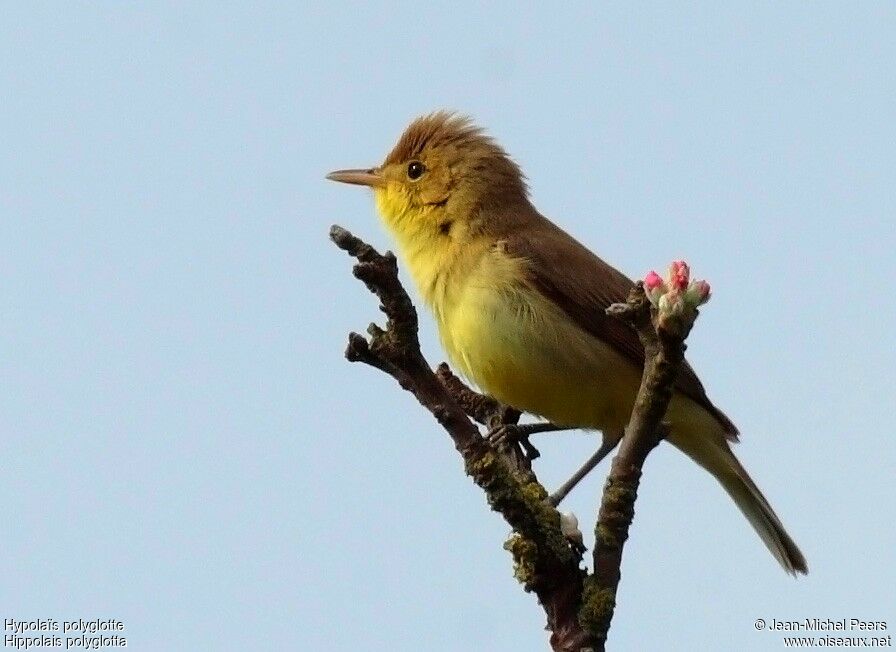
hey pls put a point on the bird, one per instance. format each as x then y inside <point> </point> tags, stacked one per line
<point>520,305</point>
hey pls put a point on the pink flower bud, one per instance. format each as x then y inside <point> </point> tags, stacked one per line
<point>702,289</point>
<point>654,287</point>
<point>679,275</point>
<point>697,293</point>
<point>652,281</point>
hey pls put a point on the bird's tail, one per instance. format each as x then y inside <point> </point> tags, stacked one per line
<point>715,455</point>
<point>762,517</point>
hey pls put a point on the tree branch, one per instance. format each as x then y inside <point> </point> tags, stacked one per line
<point>663,340</point>
<point>545,561</point>
<point>579,607</point>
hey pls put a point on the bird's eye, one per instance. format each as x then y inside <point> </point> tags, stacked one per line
<point>415,170</point>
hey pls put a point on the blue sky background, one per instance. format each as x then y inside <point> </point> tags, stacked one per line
<point>182,445</point>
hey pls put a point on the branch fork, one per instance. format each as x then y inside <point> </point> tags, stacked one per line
<point>545,545</point>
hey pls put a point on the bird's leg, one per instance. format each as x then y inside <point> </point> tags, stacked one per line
<point>609,443</point>
<point>507,434</point>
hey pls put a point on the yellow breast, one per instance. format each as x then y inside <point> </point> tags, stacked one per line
<point>501,333</point>
<point>522,349</point>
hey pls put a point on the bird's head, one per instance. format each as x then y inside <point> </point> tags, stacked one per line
<point>443,172</point>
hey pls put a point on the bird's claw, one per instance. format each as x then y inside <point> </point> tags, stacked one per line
<point>505,436</point>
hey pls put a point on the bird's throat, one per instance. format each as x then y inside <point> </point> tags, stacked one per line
<point>435,249</point>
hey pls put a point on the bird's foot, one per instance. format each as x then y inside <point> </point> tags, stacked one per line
<point>507,435</point>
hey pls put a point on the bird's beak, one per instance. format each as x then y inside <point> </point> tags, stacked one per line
<point>371,177</point>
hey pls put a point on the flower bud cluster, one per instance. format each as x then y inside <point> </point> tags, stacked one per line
<point>676,293</point>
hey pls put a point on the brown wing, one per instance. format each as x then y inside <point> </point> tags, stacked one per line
<point>583,285</point>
